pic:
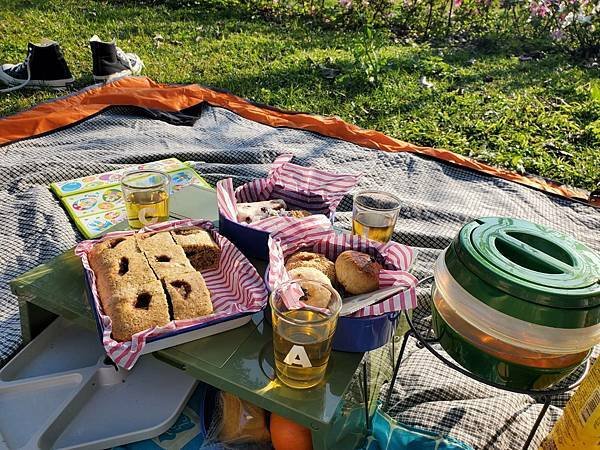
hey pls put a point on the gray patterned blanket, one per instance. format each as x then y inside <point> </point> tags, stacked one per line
<point>437,199</point>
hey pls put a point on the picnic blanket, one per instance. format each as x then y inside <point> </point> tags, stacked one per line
<point>437,198</point>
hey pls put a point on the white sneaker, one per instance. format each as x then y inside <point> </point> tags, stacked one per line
<point>111,62</point>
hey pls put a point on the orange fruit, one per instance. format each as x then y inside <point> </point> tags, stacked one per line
<point>288,435</point>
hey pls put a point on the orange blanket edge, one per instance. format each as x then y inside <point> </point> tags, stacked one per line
<point>143,92</point>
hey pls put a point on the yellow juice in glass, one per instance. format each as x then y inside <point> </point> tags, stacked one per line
<point>374,215</point>
<point>146,195</point>
<point>302,336</point>
<point>302,352</point>
<point>146,208</point>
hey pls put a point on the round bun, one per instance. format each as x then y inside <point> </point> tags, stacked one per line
<point>314,260</point>
<point>357,272</point>
<point>316,295</point>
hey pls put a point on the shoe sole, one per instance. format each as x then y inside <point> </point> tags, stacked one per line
<point>122,73</point>
<point>10,81</point>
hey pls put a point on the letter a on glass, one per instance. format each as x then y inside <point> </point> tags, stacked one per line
<point>297,357</point>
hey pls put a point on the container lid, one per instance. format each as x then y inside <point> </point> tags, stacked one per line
<point>528,262</point>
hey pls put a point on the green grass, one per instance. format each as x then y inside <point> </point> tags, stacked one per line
<point>536,116</point>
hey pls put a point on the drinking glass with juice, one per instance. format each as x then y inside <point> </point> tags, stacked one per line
<point>146,195</point>
<point>374,215</point>
<point>302,337</point>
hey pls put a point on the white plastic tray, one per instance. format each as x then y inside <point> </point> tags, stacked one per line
<point>58,393</point>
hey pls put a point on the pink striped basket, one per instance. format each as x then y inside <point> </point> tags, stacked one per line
<point>372,326</point>
<point>306,188</point>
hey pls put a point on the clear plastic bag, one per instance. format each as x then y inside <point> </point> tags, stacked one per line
<point>237,424</point>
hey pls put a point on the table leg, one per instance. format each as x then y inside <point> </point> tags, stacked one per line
<point>319,439</point>
<point>536,425</point>
<point>33,319</point>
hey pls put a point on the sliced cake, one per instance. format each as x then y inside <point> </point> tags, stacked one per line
<point>137,308</point>
<point>199,247</point>
<point>115,247</point>
<point>117,272</point>
<point>189,295</point>
<point>154,241</point>
<point>168,260</point>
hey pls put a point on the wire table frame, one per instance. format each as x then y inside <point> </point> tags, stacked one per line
<point>543,396</point>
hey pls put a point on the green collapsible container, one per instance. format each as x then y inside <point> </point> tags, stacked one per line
<point>517,303</point>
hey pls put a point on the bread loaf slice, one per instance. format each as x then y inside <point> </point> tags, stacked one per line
<point>199,247</point>
<point>137,308</point>
<point>189,295</point>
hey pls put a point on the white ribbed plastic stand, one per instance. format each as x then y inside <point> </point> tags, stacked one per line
<point>58,393</point>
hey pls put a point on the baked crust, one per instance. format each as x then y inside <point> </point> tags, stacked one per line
<point>314,260</point>
<point>168,261</point>
<point>115,247</point>
<point>137,308</point>
<point>199,247</point>
<point>154,241</point>
<point>189,295</point>
<point>357,272</point>
<point>115,272</point>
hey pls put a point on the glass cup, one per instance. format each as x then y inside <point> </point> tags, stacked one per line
<point>374,215</point>
<point>146,195</point>
<point>302,337</point>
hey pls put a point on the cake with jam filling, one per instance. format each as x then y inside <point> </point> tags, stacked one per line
<point>148,279</point>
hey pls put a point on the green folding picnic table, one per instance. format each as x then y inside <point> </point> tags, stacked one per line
<point>237,361</point>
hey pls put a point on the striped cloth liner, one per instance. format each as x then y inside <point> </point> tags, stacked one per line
<point>236,288</point>
<point>319,237</point>
<point>300,187</point>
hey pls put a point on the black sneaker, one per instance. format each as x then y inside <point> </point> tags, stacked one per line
<point>43,66</point>
<point>112,62</point>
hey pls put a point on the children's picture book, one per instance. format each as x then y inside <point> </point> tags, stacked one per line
<point>95,202</point>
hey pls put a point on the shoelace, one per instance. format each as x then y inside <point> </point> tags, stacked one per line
<point>24,83</point>
<point>125,59</point>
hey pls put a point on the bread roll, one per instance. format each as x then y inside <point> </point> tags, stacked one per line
<point>315,294</point>
<point>357,272</point>
<point>314,260</point>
